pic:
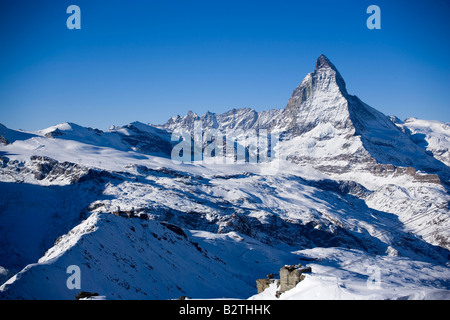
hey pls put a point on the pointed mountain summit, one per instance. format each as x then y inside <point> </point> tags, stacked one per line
<point>338,132</point>
<point>324,62</point>
<point>320,98</point>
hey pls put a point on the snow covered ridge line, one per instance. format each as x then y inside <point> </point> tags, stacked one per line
<point>213,146</point>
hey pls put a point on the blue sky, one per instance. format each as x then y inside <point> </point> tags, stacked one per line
<point>150,60</point>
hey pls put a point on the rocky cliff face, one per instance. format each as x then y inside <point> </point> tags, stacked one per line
<point>320,98</point>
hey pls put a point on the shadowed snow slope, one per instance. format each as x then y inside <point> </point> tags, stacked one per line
<point>138,259</point>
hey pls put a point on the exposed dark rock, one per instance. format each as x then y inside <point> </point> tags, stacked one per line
<point>3,140</point>
<point>174,228</point>
<point>263,284</point>
<point>85,294</point>
<point>55,133</point>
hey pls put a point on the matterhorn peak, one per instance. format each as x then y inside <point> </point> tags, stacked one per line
<point>324,62</point>
<point>320,98</point>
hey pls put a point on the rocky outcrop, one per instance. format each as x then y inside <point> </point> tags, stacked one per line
<point>263,284</point>
<point>85,295</point>
<point>290,276</point>
<point>3,140</point>
<point>55,133</point>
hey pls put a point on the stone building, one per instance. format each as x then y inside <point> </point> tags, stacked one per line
<point>290,276</point>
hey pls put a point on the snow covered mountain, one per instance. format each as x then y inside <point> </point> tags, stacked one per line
<point>353,188</point>
<point>324,126</point>
<point>434,136</point>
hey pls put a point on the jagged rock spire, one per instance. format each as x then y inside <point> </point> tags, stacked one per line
<point>310,101</point>
<point>324,62</point>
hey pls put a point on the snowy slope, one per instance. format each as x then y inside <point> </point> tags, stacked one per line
<point>74,132</point>
<point>31,219</point>
<point>140,259</point>
<point>226,208</point>
<point>9,136</point>
<point>343,274</point>
<point>432,135</point>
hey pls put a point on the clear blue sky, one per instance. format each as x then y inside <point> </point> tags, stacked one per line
<point>150,60</point>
